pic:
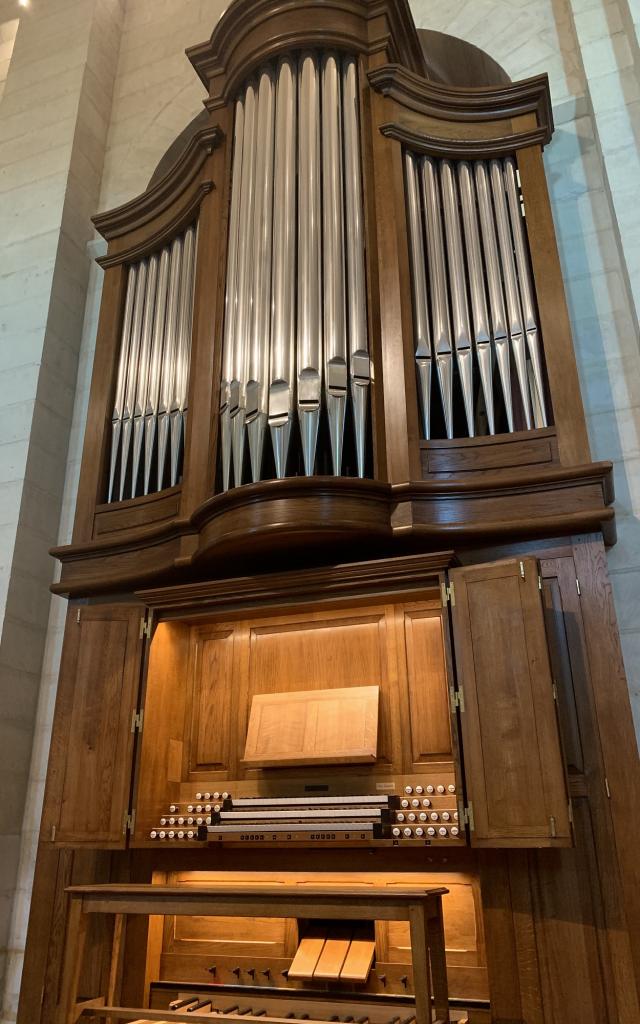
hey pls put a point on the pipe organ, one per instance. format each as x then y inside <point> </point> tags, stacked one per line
<point>295,333</point>
<point>342,729</point>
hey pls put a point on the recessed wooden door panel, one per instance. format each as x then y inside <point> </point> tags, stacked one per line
<point>211,706</point>
<point>324,651</point>
<point>513,761</point>
<point>92,745</point>
<point>427,685</point>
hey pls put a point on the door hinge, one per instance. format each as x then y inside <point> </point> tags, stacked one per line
<point>456,698</point>
<point>129,822</point>
<point>522,572</point>
<point>468,817</point>
<point>145,627</point>
<point>578,587</point>
<point>539,582</point>
<point>53,833</point>
<point>79,615</point>
<point>606,786</point>
<point>448,594</point>
<point>552,827</point>
<point>554,690</point>
<point>137,718</point>
<point>570,813</point>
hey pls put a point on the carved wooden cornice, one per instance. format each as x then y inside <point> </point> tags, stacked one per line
<point>457,104</point>
<point>328,515</point>
<point>252,31</point>
<point>462,149</point>
<point>144,208</point>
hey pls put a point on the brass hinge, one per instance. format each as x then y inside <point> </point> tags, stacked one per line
<point>129,822</point>
<point>522,572</point>
<point>53,833</point>
<point>456,698</point>
<point>468,817</point>
<point>79,615</point>
<point>570,813</point>
<point>539,582</point>
<point>448,594</point>
<point>578,587</point>
<point>606,786</point>
<point>554,690</point>
<point>137,718</point>
<point>145,627</point>
<point>552,827</point>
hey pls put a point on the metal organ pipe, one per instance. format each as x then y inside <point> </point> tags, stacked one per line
<point>485,286</point>
<point>422,333</point>
<point>153,373</point>
<point>258,369</point>
<point>335,327</point>
<point>231,302</point>
<point>309,354</point>
<point>438,282</point>
<point>297,261</point>
<point>494,286</point>
<point>359,362</point>
<point>282,354</point>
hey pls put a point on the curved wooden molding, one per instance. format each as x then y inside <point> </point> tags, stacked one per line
<point>328,517</point>
<point>251,31</point>
<point>139,211</point>
<point>462,149</point>
<point>452,103</point>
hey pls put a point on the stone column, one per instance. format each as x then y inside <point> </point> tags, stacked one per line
<point>54,117</point>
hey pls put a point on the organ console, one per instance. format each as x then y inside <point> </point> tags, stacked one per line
<point>342,730</point>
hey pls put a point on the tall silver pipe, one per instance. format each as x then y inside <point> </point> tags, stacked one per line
<point>238,391</point>
<point>526,290</point>
<point>494,285</point>
<point>144,369</point>
<point>169,358</point>
<point>438,282</point>
<point>359,362</point>
<point>121,381</point>
<point>231,300</point>
<point>132,374</point>
<point>514,312</point>
<point>183,351</point>
<point>282,361</point>
<point>422,333</point>
<point>152,402</point>
<point>458,289</point>
<point>309,349</point>
<point>481,329</point>
<point>258,365</point>
<point>335,328</point>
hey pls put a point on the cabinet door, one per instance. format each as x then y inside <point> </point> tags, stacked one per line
<point>90,764</point>
<point>513,762</point>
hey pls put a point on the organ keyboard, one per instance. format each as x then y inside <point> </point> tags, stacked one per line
<point>422,810</point>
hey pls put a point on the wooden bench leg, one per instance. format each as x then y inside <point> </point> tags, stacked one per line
<point>418,928</point>
<point>435,927</point>
<point>73,955</point>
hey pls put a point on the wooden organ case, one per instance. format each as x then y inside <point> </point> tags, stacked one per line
<point>342,729</point>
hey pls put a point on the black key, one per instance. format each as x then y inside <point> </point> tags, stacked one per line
<point>231,1009</point>
<point>179,1004</point>
<point>199,1006</point>
<point>260,1013</point>
<point>246,1010</point>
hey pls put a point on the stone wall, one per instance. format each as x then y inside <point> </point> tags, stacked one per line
<point>94,93</point>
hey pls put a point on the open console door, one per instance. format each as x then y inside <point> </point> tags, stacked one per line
<point>91,759</point>
<point>513,763</point>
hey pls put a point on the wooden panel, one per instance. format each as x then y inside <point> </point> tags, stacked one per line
<point>561,666</point>
<point>227,936</point>
<point>92,745</point>
<point>326,650</point>
<point>358,960</point>
<point>313,727</point>
<point>308,953</point>
<point>487,454</point>
<point>333,954</point>
<point>429,715</point>
<point>511,745</point>
<point>211,705</point>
